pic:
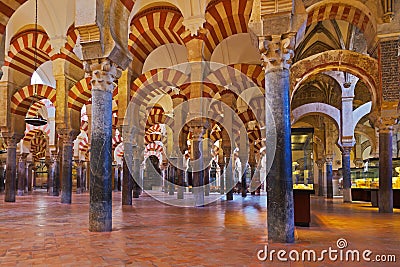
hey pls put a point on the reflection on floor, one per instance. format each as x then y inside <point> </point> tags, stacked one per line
<point>38,230</point>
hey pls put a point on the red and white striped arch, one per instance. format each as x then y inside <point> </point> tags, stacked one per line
<point>154,129</point>
<point>155,149</point>
<point>32,131</point>
<point>40,108</point>
<point>38,147</point>
<point>84,145</point>
<point>116,140</point>
<point>119,151</point>
<point>225,18</point>
<point>154,83</point>
<point>153,28</point>
<point>21,54</point>
<point>237,80</point>
<point>155,116</point>
<point>254,72</point>
<point>81,93</point>
<point>152,137</point>
<point>353,12</point>
<point>209,90</point>
<point>22,99</point>
<point>67,52</point>
<point>7,9</point>
<point>36,137</point>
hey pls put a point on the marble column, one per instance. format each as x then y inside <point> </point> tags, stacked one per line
<point>181,178</point>
<point>329,176</point>
<point>136,178</point>
<point>127,179</point>
<point>221,165</point>
<point>21,174</point>
<point>385,201</point>
<point>276,55</point>
<point>171,176</point>
<point>253,169</point>
<point>197,128</point>
<point>54,174</point>
<point>346,172</point>
<point>29,177</point>
<point>244,178</point>
<point>320,165</point>
<point>228,174</point>
<point>103,73</point>
<point>114,177</point>
<point>11,169</point>
<point>67,137</point>
<point>207,179</point>
<point>78,176</point>
<point>127,186</point>
<point>1,176</point>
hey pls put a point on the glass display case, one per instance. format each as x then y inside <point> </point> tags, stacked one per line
<point>302,158</point>
<point>368,177</point>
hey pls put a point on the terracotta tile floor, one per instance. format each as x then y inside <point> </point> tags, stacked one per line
<point>39,231</point>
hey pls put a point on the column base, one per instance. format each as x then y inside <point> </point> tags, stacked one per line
<point>180,193</point>
<point>20,192</point>
<point>346,195</point>
<point>198,193</point>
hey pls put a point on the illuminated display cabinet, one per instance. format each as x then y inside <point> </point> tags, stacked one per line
<point>365,182</point>
<point>302,155</point>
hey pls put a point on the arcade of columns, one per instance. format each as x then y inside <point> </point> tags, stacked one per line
<point>106,76</point>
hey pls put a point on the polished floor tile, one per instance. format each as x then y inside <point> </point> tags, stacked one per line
<point>38,230</point>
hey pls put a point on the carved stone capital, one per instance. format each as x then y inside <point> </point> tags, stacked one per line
<point>346,150</point>
<point>103,73</point>
<point>320,163</point>
<point>197,127</point>
<point>277,51</point>
<point>67,136</point>
<point>329,159</point>
<point>385,124</point>
<point>12,139</point>
<point>22,157</point>
<point>54,156</point>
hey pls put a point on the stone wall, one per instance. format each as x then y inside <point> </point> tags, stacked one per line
<point>389,65</point>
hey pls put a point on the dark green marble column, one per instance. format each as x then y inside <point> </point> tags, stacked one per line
<point>21,174</point>
<point>136,178</point>
<point>280,209</point>
<point>346,174</point>
<point>2,173</point>
<point>385,170</point>
<point>127,185</point>
<point>197,128</point>
<point>181,178</point>
<point>67,137</point>
<point>11,169</point>
<point>329,177</point>
<point>320,164</point>
<point>103,74</point>
<point>53,174</point>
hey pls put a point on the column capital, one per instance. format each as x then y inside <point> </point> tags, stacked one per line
<point>385,124</point>
<point>346,150</point>
<point>67,136</point>
<point>12,139</point>
<point>277,51</point>
<point>103,73</point>
<point>197,127</point>
<point>22,157</point>
<point>320,163</point>
<point>329,159</point>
